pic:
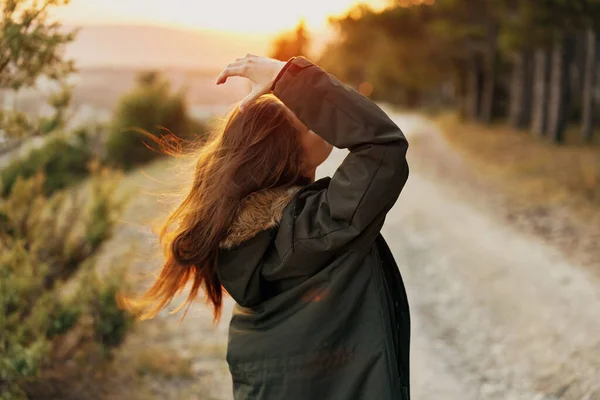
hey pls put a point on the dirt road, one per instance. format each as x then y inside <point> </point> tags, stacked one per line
<point>496,314</point>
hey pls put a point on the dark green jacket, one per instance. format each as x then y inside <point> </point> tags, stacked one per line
<point>321,308</point>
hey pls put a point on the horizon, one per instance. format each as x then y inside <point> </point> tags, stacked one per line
<point>250,18</point>
<point>202,36</point>
<point>135,46</point>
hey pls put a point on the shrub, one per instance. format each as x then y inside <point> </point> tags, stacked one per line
<point>61,162</point>
<point>110,322</point>
<point>151,107</point>
<point>44,242</point>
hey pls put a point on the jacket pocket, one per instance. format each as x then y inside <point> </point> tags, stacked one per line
<point>302,366</point>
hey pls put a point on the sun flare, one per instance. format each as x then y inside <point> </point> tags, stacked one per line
<point>235,16</point>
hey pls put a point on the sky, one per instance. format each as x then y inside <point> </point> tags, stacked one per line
<point>235,16</point>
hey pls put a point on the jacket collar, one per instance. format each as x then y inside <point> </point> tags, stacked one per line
<point>258,212</point>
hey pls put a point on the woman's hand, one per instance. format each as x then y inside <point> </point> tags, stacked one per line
<point>261,71</point>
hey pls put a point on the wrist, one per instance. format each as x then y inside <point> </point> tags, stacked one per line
<point>281,72</point>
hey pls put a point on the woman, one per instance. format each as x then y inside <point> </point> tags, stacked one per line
<point>321,308</point>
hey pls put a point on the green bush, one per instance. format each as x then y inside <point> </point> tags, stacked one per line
<point>151,107</point>
<point>111,323</point>
<point>44,242</point>
<point>63,319</point>
<point>61,162</point>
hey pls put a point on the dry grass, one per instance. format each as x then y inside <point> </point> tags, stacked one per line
<point>163,362</point>
<point>159,359</point>
<point>551,191</point>
<point>540,171</point>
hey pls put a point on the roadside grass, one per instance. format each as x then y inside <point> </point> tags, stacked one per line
<point>540,171</point>
<point>550,191</point>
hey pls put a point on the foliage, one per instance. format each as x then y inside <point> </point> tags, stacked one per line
<point>153,108</point>
<point>373,52</point>
<point>291,44</point>
<point>546,176</point>
<point>31,47</point>
<point>111,323</point>
<point>476,50</point>
<point>44,243</point>
<point>424,43</point>
<point>62,163</point>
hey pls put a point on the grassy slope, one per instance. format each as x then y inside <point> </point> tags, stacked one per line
<point>160,358</point>
<point>551,190</point>
<point>541,171</point>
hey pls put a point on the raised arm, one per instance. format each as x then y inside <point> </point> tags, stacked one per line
<point>364,188</point>
<point>371,177</point>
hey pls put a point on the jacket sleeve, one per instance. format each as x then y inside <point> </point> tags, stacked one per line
<point>369,180</point>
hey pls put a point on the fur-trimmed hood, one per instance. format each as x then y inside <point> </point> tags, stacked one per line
<point>256,213</point>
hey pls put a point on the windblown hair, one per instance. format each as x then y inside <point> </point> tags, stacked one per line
<point>256,150</point>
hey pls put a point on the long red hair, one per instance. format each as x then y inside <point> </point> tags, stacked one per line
<point>255,150</point>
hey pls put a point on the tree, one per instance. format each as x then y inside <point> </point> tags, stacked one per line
<point>560,90</point>
<point>541,88</point>
<point>518,45</point>
<point>293,44</point>
<point>471,31</point>
<point>553,27</point>
<point>590,105</point>
<point>394,51</point>
<point>154,108</point>
<point>31,48</point>
<point>521,89</point>
<point>520,59</point>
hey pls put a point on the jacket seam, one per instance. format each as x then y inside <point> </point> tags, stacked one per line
<point>298,240</point>
<point>288,76</point>
<point>382,319</point>
<point>350,117</point>
<point>282,73</point>
<point>360,202</point>
<point>327,96</point>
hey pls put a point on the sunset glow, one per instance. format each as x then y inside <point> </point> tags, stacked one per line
<point>236,16</point>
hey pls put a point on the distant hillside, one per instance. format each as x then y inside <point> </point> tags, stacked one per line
<point>160,47</point>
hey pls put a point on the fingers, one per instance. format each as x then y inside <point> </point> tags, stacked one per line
<point>236,68</point>
<point>233,69</point>
<point>242,67</point>
<point>246,57</point>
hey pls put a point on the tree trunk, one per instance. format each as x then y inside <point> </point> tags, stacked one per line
<point>559,90</point>
<point>577,68</point>
<point>489,79</point>
<point>521,90</point>
<point>539,115</point>
<point>461,93</point>
<point>596,89</point>
<point>474,88</point>
<point>412,98</point>
<point>589,86</point>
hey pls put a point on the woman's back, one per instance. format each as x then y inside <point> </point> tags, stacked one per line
<point>317,317</point>
<point>322,312</point>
